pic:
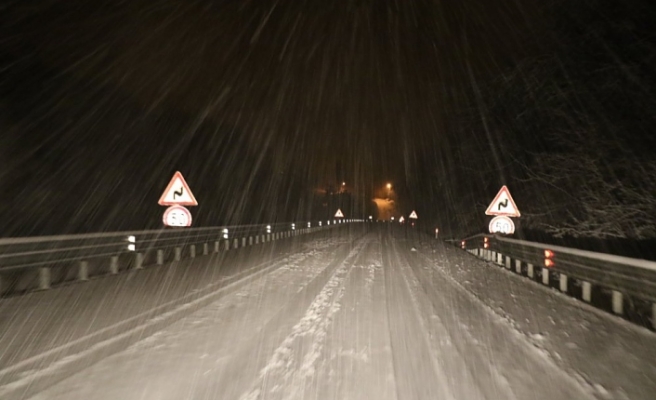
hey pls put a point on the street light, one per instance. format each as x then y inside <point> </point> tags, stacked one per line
<point>389,186</point>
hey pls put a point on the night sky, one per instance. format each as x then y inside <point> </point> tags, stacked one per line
<point>260,104</point>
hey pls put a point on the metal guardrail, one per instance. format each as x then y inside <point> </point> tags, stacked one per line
<point>42,253</point>
<point>622,276</point>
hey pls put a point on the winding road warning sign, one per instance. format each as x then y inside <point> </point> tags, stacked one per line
<point>177,193</point>
<point>503,204</point>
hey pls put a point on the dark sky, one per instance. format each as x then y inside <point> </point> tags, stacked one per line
<point>103,100</point>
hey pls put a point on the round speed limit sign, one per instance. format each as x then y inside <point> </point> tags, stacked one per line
<point>177,216</point>
<point>502,224</point>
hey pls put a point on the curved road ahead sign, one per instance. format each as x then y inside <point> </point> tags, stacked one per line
<point>503,204</point>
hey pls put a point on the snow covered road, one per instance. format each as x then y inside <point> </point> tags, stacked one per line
<point>369,319</point>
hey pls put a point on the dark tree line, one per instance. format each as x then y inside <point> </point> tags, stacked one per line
<point>571,129</point>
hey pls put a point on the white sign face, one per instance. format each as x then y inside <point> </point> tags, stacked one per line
<point>401,219</point>
<point>177,216</point>
<point>502,224</point>
<point>413,215</point>
<point>339,214</point>
<point>177,193</point>
<point>503,204</point>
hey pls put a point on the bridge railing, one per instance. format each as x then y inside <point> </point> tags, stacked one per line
<point>587,273</point>
<point>31,262</point>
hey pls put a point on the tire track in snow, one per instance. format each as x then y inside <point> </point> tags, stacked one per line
<point>416,373</point>
<point>285,374</point>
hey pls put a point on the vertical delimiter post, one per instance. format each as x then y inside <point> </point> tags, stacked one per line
<point>530,271</point>
<point>192,251</point>
<point>618,306</point>
<point>44,278</point>
<point>113,265</point>
<point>138,261</point>
<point>178,254</point>
<point>83,272</point>
<point>587,292</point>
<point>518,266</point>
<point>160,257</point>
<point>563,283</point>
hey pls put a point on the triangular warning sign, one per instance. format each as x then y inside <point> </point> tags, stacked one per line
<point>503,204</point>
<point>177,192</point>
<point>413,215</point>
<point>339,214</point>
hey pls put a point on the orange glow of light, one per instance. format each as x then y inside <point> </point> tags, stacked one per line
<point>486,245</point>
<point>548,254</point>
<point>485,240</point>
<point>548,263</point>
<point>389,185</point>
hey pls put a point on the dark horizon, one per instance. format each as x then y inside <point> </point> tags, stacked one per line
<point>263,105</point>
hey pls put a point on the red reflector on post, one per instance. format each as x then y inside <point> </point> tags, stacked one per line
<point>486,245</point>
<point>548,263</point>
<point>548,254</point>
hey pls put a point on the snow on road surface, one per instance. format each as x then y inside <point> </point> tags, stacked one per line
<point>368,319</point>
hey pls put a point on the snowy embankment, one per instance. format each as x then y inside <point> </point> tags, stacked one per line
<point>611,358</point>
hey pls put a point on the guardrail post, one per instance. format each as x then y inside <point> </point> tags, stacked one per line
<point>518,266</point>
<point>226,245</point>
<point>530,270</point>
<point>618,306</point>
<point>250,240</point>
<point>216,246</point>
<point>138,261</point>
<point>563,283</point>
<point>587,291</point>
<point>508,260</point>
<point>243,242</point>
<point>178,253</point>
<point>257,239</point>
<point>160,257</point>
<point>83,272</point>
<point>499,258</point>
<point>192,251</point>
<point>235,244</point>
<point>268,237</point>
<point>44,278</point>
<point>113,265</point>
<point>545,276</point>
<point>205,249</point>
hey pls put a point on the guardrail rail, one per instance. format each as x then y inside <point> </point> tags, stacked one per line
<point>576,272</point>
<point>25,260</point>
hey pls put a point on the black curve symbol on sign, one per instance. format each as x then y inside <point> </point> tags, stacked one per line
<point>179,193</point>
<point>503,204</point>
